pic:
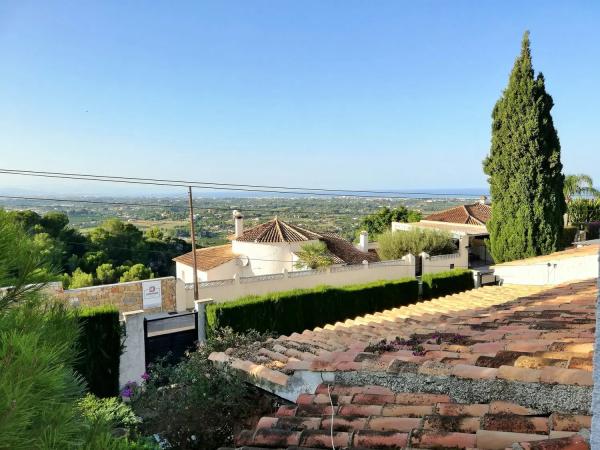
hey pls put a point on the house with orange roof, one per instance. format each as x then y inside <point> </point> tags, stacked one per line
<point>466,224</point>
<point>268,248</point>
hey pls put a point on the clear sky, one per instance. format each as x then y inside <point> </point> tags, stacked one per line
<point>355,94</point>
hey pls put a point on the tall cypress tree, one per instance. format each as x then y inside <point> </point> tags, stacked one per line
<point>524,168</point>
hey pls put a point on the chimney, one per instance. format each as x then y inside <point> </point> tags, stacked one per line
<point>363,243</point>
<point>238,219</point>
<point>483,200</point>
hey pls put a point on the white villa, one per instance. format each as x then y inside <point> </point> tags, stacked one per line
<point>467,224</point>
<point>268,248</point>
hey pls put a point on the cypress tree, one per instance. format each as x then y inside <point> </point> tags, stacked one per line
<point>524,168</point>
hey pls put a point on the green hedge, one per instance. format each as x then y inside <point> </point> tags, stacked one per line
<point>99,349</point>
<point>301,309</point>
<point>446,283</point>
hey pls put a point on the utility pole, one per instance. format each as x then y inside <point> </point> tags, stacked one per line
<point>193,235</point>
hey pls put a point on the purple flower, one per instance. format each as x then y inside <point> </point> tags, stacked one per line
<point>145,376</point>
<point>126,392</point>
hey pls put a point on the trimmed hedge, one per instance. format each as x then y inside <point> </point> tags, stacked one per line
<point>301,309</point>
<point>99,349</point>
<point>446,283</point>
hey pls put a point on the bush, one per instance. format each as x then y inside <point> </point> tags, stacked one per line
<point>109,410</point>
<point>300,309</point>
<point>446,283</point>
<point>197,404</point>
<point>396,244</point>
<point>568,236</point>
<point>137,272</point>
<point>80,279</point>
<point>100,349</point>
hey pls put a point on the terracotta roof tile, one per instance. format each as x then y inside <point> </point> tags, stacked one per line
<point>473,214</point>
<point>495,335</point>
<point>207,258</point>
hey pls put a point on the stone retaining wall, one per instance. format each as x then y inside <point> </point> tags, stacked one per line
<point>125,296</point>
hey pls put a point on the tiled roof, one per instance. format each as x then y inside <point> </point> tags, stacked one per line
<point>588,250</point>
<point>208,258</point>
<point>345,251</point>
<point>277,231</point>
<point>475,214</point>
<point>375,417</point>
<point>481,353</point>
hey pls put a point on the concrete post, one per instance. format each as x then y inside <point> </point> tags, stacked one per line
<point>133,359</point>
<point>200,308</point>
<point>180,296</point>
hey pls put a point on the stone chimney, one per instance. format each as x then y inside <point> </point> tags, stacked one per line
<point>483,199</point>
<point>363,242</point>
<point>238,219</point>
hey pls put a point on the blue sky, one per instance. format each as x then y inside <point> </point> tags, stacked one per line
<point>352,94</point>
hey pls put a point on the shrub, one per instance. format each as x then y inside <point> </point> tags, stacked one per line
<point>197,404</point>
<point>100,349</point>
<point>300,309</point>
<point>110,410</point>
<point>446,283</point>
<point>396,244</point>
<point>568,236</point>
<point>80,279</point>
<point>137,272</point>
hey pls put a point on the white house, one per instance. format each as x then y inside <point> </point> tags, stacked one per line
<point>467,224</point>
<point>268,248</point>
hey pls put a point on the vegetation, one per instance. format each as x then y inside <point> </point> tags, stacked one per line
<point>381,221</point>
<point>197,404</point>
<point>301,309</point>
<point>396,244</point>
<point>39,390</point>
<point>100,349</point>
<point>583,211</point>
<point>115,251</point>
<point>579,185</point>
<point>313,256</point>
<point>447,283</point>
<point>524,168</point>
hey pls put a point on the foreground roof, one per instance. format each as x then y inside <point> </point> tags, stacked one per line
<point>587,250</point>
<point>277,231</point>
<point>486,368</point>
<point>208,258</point>
<point>475,214</point>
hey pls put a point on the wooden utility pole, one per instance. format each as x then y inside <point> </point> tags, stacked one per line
<point>193,235</point>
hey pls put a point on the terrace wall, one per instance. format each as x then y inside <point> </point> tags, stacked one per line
<point>230,289</point>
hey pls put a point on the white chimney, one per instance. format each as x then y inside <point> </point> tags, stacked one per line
<point>238,219</point>
<point>483,199</point>
<point>363,243</point>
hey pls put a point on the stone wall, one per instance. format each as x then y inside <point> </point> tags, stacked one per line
<point>125,296</point>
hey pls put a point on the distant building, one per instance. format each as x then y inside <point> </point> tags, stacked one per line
<point>466,223</point>
<point>267,248</point>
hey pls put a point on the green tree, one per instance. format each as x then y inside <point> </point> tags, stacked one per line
<point>577,185</point>
<point>39,391</point>
<point>106,274</point>
<point>396,244</point>
<point>381,221</point>
<point>137,272</point>
<point>314,256</point>
<point>80,279</point>
<point>524,168</point>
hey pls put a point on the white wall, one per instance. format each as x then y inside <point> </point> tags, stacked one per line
<point>230,289</point>
<point>226,270</point>
<point>268,257</point>
<point>551,272</point>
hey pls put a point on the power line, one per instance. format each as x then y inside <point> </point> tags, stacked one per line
<point>228,186</point>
